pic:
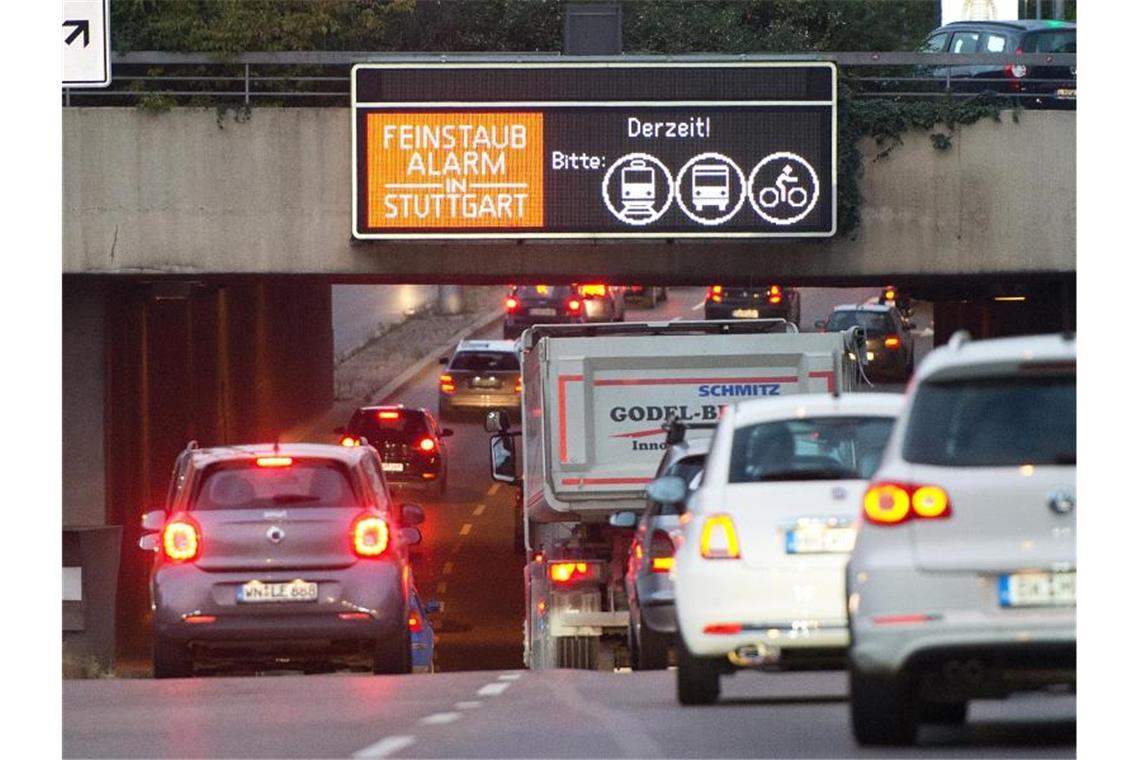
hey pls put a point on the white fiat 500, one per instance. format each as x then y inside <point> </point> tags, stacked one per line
<point>759,575</point>
<point>963,579</point>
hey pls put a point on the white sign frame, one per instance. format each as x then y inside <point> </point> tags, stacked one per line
<point>87,66</point>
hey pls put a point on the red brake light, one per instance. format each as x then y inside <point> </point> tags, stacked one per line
<point>446,384</point>
<point>716,293</point>
<point>275,461</point>
<point>512,303</point>
<point>887,503</point>
<point>426,444</point>
<point>661,552</point>
<point>369,536</point>
<point>592,290</point>
<point>724,629</point>
<point>415,625</point>
<point>388,415</point>
<point>572,572</point>
<point>348,440</point>
<point>889,294</point>
<point>180,540</point>
<point>574,306</point>
<point>892,341</point>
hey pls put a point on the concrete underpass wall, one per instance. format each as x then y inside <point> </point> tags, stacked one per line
<point>173,193</point>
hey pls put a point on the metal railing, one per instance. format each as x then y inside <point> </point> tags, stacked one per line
<point>300,79</point>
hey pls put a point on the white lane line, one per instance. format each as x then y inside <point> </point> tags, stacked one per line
<point>478,510</point>
<point>448,567</point>
<point>439,719</point>
<point>493,689</point>
<point>494,489</point>
<point>700,305</point>
<point>470,705</point>
<point>441,587</point>
<point>465,529</point>
<point>510,676</point>
<point>386,746</point>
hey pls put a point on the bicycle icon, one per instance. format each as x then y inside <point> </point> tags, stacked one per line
<point>796,197</point>
<point>790,196</point>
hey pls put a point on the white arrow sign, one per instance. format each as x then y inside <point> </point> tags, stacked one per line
<point>86,36</point>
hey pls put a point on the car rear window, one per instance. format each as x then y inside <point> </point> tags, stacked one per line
<point>994,422</point>
<point>404,427</point>
<point>685,468</point>
<point>304,483</point>
<point>544,291</point>
<point>485,361</point>
<point>874,322</point>
<point>1060,41</point>
<point>821,448</point>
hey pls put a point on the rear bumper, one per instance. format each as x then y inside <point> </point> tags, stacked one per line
<point>479,401</point>
<point>763,311</point>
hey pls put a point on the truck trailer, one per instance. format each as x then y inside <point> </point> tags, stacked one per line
<point>595,400</point>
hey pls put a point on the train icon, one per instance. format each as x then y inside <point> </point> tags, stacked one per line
<point>638,189</point>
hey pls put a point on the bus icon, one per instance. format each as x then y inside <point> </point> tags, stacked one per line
<point>638,189</point>
<point>709,186</point>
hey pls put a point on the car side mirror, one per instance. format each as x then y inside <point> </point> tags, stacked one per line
<point>411,536</point>
<point>150,542</point>
<point>503,458</point>
<point>821,324</point>
<point>623,520</point>
<point>153,520</point>
<point>497,421</point>
<point>668,489</point>
<point>411,514</point>
<point>432,606</point>
<point>446,433</point>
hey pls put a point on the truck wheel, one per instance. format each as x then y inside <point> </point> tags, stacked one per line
<point>698,678</point>
<point>652,649</point>
<point>577,652</point>
<point>882,710</point>
<point>171,659</point>
<point>393,655</point>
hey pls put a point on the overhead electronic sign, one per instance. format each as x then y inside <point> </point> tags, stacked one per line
<point>742,149</point>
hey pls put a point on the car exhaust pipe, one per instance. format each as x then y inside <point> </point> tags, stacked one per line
<point>754,655</point>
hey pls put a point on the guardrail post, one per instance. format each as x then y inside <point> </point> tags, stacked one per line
<point>67,96</point>
<point>247,84</point>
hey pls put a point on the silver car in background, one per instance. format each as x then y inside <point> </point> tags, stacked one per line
<point>962,582</point>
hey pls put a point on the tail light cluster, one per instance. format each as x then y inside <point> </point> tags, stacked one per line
<point>718,538</point>
<point>715,293</point>
<point>181,541</point>
<point>518,384</point>
<point>574,306</point>
<point>888,503</point>
<point>892,342</point>
<point>512,304</point>
<point>426,445</point>
<point>575,572</point>
<point>593,291</point>
<point>775,295</point>
<point>446,383</point>
<point>415,622</point>
<point>369,536</point>
<point>661,552</point>
<point>349,441</point>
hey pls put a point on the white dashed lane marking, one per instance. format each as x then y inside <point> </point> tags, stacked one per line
<point>448,567</point>
<point>494,489</point>
<point>439,719</point>
<point>479,510</point>
<point>493,689</point>
<point>700,305</point>
<point>386,746</point>
<point>510,676</point>
<point>471,705</point>
<point>465,529</point>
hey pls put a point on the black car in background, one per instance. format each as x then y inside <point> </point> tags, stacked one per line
<point>890,342</point>
<point>1050,86</point>
<point>756,302</point>
<point>410,443</point>
<point>528,305</point>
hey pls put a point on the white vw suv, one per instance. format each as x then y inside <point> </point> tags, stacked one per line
<point>759,575</point>
<point>962,583</point>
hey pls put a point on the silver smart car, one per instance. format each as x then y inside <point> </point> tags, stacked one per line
<point>280,554</point>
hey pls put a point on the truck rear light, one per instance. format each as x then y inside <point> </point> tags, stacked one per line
<point>775,295</point>
<point>349,441</point>
<point>446,384</point>
<point>369,536</point>
<point>892,341</point>
<point>575,572</point>
<point>518,384</point>
<point>275,461</point>
<point>887,503</point>
<point>718,538</point>
<point>661,552</point>
<point>723,629</point>
<point>426,445</point>
<point>716,293</point>
<point>180,540</point>
<point>574,306</point>
<point>512,304</point>
<point>595,291</point>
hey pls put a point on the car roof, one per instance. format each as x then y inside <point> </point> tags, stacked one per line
<point>879,307</point>
<point>350,456</point>
<point>506,346</point>
<point>1023,25</point>
<point>392,408</point>
<point>816,405</point>
<point>963,352</point>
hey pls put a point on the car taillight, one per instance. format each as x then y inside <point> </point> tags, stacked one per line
<point>1016,71</point>
<point>512,303</point>
<point>598,291</point>
<point>369,536</point>
<point>661,552</point>
<point>574,306</point>
<point>426,445</point>
<point>446,384</point>
<point>716,293</point>
<point>718,538</point>
<point>775,295</point>
<point>275,461</point>
<point>180,540</point>
<point>892,341</point>
<point>887,503</point>
<point>518,384</point>
<point>349,441</point>
<point>415,624</point>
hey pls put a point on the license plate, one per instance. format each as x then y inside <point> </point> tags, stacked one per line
<point>293,591</point>
<point>746,313</point>
<point>819,540</point>
<point>543,312</point>
<point>1067,94</point>
<point>1037,590</point>
<point>392,466</point>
